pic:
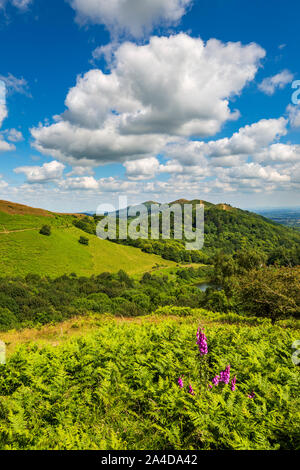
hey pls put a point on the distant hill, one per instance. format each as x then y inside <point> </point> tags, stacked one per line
<point>227,229</point>
<point>230,229</point>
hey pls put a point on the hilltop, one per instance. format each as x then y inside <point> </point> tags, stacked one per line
<point>14,208</point>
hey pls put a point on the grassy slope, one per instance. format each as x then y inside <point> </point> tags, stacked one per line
<point>23,250</point>
<point>29,252</point>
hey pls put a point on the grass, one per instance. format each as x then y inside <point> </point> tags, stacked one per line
<point>14,222</point>
<point>29,252</point>
<point>76,327</point>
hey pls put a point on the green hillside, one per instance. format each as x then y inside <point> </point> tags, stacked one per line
<point>228,229</point>
<point>23,250</point>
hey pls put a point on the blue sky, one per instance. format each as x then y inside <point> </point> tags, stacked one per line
<point>137,99</point>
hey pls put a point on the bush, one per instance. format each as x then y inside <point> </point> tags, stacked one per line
<point>270,292</point>
<point>7,319</point>
<point>83,241</point>
<point>45,230</point>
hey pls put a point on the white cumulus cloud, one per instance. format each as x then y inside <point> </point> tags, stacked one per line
<point>13,135</point>
<point>174,86</point>
<point>20,4</point>
<point>270,84</point>
<point>250,141</point>
<point>52,171</point>
<point>3,108</point>
<point>135,17</point>
<point>4,146</point>
<point>80,183</point>
<point>146,168</point>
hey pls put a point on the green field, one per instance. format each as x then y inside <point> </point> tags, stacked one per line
<point>29,252</point>
<point>116,387</point>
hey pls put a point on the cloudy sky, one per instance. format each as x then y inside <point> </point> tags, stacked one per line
<point>152,99</point>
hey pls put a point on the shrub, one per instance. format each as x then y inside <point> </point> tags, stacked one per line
<point>7,319</point>
<point>46,230</point>
<point>270,292</point>
<point>83,241</point>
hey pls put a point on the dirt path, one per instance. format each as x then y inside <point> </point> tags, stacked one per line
<point>54,335</point>
<point>21,230</point>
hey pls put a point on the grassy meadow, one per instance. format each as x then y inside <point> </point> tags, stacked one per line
<point>26,251</point>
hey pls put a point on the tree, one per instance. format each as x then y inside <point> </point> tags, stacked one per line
<point>250,259</point>
<point>83,241</point>
<point>270,292</point>
<point>216,301</point>
<point>224,268</point>
<point>46,230</point>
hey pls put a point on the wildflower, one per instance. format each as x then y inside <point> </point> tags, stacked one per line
<point>216,380</point>
<point>252,395</point>
<point>180,382</point>
<point>202,342</point>
<point>225,375</point>
<point>191,391</point>
<point>233,384</point>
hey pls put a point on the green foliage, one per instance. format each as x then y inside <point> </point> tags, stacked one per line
<point>282,256</point>
<point>87,224</point>
<point>270,292</point>
<point>266,292</point>
<point>36,300</point>
<point>84,241</point>
<point>251,287</point>
<point>61,253</point>
<point>230,230</point>
<point>46,230</point>
<point>117,389</point>
<point>7,319</point>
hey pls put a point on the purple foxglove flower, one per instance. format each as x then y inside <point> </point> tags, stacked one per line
<point>252,395</point>
<point>191,391</point>
<point>180,382</point>
<point>202,342</point>
<point>233,384</point>
<point>225,375</point>
<point>216,380</point>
